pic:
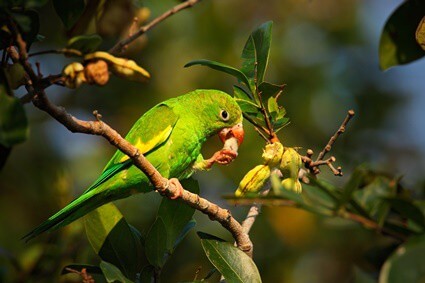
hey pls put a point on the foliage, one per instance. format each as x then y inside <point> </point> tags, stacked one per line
<point>376,201</point>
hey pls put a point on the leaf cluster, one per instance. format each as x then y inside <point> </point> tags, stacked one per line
<point>257,98</point>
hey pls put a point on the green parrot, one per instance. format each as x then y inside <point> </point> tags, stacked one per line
<point>170,135</point>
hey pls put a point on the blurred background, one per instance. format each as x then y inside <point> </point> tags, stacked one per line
<point>327,54</point>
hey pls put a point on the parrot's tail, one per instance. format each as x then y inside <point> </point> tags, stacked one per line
<point>73,211</point>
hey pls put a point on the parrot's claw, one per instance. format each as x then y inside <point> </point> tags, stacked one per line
<point>174,182</point>
<point>223,157</point>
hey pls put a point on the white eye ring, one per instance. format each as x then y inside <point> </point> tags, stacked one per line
<point>224,115</point>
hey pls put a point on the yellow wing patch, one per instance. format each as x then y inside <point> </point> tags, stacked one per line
<point>151,144</point>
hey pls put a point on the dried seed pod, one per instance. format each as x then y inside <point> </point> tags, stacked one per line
<point>121,67</point>
<point>254,180</point>
<point>96,72</point>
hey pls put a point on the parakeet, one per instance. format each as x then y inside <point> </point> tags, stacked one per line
<point>170,135</point>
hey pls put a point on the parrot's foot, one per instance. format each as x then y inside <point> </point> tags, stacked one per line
<point>178,192</point>
<point>223,157</point>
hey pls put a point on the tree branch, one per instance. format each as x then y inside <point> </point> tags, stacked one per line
<point>117,48</point>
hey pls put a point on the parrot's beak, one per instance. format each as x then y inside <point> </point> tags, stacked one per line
<point>235,132</point>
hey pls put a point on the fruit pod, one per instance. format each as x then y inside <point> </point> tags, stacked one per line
<point>290,166</point>
<point>272,154</point>
<point>254,180</point>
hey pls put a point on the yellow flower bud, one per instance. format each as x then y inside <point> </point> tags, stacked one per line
<point>290,166</point>
<point>292,185</point>
<point>74,75</point>
<point>272,154</point>
<point>254,180</point>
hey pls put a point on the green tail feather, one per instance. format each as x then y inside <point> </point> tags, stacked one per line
<point>91,199</point>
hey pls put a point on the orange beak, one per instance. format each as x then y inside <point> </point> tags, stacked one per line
<point>236,131</point>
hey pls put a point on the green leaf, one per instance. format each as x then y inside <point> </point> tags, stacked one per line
<point>240,93</point>
<point>272,105</point>
<point>249,57</point>
<point>406,264</point>
<point>189,226</point>
<point>156,244</point>
<point>221,67</point>
<point>352,185</point>
<point>94,271</point>
<point>85,43</point>
<point>262,40</point>
<point>248,107</point>
<point>269,89</point>
<point>175,214</point>
<point>29,24</point>
<point>114,240</point>
<point>112,273</point>
<point>69,11</point>
<point>371,197</point>
<point>408,210</point>
<point>13,120</point>
<point>147,274</point>
<point>398,44</point>
<point>420,33</point>
<point>233,264</point>
<point>278,190</point>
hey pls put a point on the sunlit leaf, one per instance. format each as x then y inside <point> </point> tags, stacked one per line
<point>85,43</point>
<point>248,107</point>
<point>420,33</point>
<point>114,240</point>
<point>231,262</point>
<point>272,105</point>
<point>398,44</point>
<point>156,244</point>
<point>240,93</point>
<point>221,67</point>
<point>406,264</point>
<point>112,273</point>
<point>69,11</point>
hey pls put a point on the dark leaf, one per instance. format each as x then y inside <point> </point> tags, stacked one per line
<point>175,214</point>
<point>408,210</point>
<point>114,240</point>
<point>69,11</point>
<point>29,25</point>
<point>233,264</point>
<point>113,273</point>
<point>268,89</point>
<point>221,67</point>
<point>398,44</point>
<point>406,264</point>
<point>156,244</point>
<point>370,198</point>
<point>13,120</point>
<point>146,275</point>
<point>189,226</point>
<point>85,43</point>
<point>351,186</point>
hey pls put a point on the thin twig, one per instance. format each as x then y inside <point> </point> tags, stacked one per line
<point>117,48</point>
<point>65,51</point>
<point>341,130</point>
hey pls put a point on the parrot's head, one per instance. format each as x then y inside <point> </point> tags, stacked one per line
<point>225,115</point>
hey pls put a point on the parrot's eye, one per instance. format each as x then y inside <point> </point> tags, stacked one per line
<point>224,115</point>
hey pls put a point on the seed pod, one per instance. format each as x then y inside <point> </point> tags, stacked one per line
<point>290,166</point>
<point>272,154</point>
<point>96,72</point>
<point>254,180</point>
<point>121,67</point>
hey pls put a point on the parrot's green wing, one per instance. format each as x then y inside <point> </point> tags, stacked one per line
<point>146,135</point>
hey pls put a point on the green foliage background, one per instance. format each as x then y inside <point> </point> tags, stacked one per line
<point>327,54</point>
